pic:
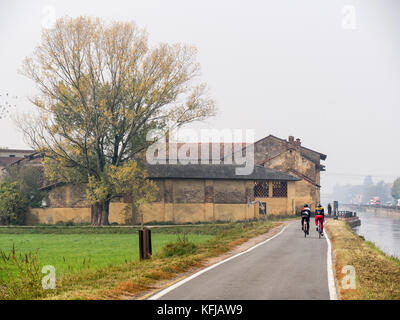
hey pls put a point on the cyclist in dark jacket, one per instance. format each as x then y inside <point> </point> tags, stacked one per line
<point>305,216</point>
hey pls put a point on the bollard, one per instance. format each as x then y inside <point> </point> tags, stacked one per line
<point>141,248</point>
<point>149,247</point>
<point>145,250</point>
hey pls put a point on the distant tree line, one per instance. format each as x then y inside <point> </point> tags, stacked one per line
<point>364,192</point>
<point>396,189</point>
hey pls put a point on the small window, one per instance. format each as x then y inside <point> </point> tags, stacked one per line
<point>12,155</point>
<point>279,189</point>
<point>261,189</point>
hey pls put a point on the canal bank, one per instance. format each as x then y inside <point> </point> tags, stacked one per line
<point>350,217</point>
<point>376,275</point>
<point>380,227</point>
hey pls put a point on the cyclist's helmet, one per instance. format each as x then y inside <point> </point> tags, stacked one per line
<point>306,205</point>
<point>319,205</point>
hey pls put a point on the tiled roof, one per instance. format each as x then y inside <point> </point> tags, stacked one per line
<point>213,171</point>
<point>212,150</point>
<point>322,156</point>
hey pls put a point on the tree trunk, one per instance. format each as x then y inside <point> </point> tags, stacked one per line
<point>99,212</point>
<point>135,214</point>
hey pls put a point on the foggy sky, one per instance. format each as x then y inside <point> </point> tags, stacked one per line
<point>281,67</point>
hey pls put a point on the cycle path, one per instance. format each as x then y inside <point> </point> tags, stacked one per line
<point>287,266</point>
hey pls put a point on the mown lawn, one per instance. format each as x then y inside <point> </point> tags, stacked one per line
<point>70,253</point>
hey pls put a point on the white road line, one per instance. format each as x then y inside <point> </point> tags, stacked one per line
<point>178,284</point>
<point>331,279</point>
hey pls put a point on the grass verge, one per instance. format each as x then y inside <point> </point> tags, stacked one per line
<point>377,275</point>
<point>133,277</point>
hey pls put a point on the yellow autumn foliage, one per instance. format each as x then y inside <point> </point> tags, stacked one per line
<point>102,88</point>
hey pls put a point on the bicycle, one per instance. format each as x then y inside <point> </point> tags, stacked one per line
<point>305,228</point>
<point>319,229</point>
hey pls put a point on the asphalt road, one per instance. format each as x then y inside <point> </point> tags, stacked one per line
<point>288,266</point>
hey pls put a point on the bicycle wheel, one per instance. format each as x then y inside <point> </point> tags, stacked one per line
<point>319,229</point>
<point>305,229</point>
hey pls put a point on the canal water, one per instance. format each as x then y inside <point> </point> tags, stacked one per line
<point>382,230</point>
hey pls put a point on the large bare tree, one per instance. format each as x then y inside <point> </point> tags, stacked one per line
<point>102,88</point>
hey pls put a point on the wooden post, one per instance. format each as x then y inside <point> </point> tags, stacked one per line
<point>145,244</point>
<point>145,248</point>
<point>149,249</point>
<point>141,245</point>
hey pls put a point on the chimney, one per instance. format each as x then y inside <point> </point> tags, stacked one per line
<point>298,142</point>
<point>291,139</point>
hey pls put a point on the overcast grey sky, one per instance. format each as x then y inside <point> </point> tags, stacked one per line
<point>285,67</point>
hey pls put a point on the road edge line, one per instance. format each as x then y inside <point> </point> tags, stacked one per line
<point>331,278</point>
<point>195,275</point>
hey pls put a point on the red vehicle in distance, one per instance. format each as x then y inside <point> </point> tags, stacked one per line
<point>375,201</point>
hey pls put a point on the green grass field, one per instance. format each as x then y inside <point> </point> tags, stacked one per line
<point>102,262</point>
<point>70,253</point>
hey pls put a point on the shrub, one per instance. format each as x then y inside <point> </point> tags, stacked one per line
<point>70,223</point>
<point>27,283</point>
<point>13,205</point>
<point>179,248</point>
<point>29,179</point>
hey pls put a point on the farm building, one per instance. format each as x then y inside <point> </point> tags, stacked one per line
<point>272,152</point>
<point>187,193</point>
<point>291,157</point>
<point>11,156</point>
<point>286,176</point>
